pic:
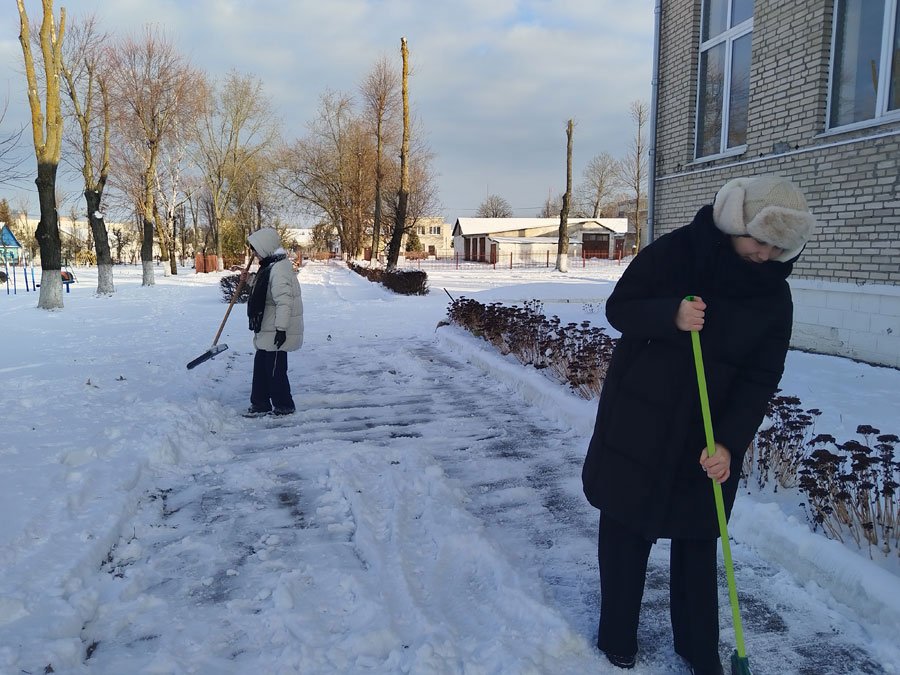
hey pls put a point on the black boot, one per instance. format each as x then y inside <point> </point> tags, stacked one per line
<point>253,411</point>
<point>714,670</point>
<point>619,661</point>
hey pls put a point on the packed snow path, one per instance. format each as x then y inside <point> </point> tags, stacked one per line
<point>413,516</point>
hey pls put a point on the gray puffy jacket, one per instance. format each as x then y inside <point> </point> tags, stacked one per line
<point>284,305</point>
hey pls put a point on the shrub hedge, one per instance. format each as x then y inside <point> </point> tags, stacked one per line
<point>404,282</point>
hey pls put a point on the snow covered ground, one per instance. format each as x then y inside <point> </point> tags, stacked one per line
<point>421,513</point>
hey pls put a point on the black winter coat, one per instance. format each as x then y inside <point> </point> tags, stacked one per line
<point>642,467</point>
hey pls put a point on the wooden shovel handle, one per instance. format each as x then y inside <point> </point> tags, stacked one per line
<point>234,297</point>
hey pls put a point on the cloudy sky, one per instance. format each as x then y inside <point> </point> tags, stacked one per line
<point>493,81</point>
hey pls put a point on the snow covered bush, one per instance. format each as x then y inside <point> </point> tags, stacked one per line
<point>576,354</point>
<point>404,282</point>
<point>851,488</point>
<point>229,283</point>
<point>779,446</point>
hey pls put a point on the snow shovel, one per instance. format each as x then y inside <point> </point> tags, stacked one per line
<point>739,663</point>
<point>217,348</point>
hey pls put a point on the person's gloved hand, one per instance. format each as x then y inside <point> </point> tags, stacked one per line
<point>280,337</point>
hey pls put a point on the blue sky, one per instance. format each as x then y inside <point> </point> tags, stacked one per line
<point>492,83</point>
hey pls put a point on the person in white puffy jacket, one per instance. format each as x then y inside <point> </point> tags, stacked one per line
<point>275,313</point>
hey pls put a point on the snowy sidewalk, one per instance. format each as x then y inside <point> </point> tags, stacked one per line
<point>333,541</point>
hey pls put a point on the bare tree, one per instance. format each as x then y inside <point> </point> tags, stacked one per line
<point>254,202</point>
<point>632,171</point>
<point>494,206</point>
<point>85,70</point>
<point>362,197</point>
<point>236,128</point>
<point>379,91</point>
<point>319,170</point>
<point>46,127</point>
<point>600,182</point>
<point>552,206</point>
<point>422,201</point>
<point>125,187</point>
<point>158,90</point>
<point>9,162</point>
<point>335,173</point>
<point>170,196</point>
<point>403,192</point>
<point>562,248</point>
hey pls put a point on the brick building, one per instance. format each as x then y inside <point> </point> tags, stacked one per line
<point>809,90</point>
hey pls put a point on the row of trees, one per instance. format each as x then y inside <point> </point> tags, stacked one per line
<point>153,137</point>
<point>606,182</point>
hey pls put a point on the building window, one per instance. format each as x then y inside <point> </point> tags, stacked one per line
<point>434,229</point>
<point>723,92</point>
<point>865,63</point>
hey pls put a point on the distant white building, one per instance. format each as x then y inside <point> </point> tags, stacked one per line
<point>434,234</point>
<point>77,240</point>
<point>491,239</point>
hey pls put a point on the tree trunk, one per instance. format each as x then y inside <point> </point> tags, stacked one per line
<point>173,241</point>
<point>101,243</point>
<point>344,237</point>
<point>562,249</point>
<point>173,260</point>
<point>397,235</point>
<point>147,209</point>
<point>220,263</point>
<point>147,278</point>
<point>376,225</point>
<point>47,235</point>
<point>46,128</point>
<point>403,194</point>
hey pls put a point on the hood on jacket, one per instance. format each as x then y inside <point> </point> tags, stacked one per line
<point>265,242</point>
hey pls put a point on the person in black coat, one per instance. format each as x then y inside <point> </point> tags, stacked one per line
<point>647,468</point>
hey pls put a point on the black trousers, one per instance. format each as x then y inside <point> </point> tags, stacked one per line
<point>693,594</point>
<point>271,388</point>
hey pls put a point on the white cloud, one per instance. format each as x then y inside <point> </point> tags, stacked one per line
<point>493,82</point>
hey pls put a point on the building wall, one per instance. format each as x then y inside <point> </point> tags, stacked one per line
<point>851,178</point>
<point>532,251</point>
<point>441,242</point>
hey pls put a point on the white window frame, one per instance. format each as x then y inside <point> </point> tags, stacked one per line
<point>882,114</point>
<point>728,36</point>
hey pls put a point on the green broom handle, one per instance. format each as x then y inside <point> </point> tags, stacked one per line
<point>717,492</point>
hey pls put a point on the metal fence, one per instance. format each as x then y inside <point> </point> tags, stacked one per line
<point>504,261</point>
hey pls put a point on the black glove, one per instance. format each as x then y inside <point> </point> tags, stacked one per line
<point>280,337</point>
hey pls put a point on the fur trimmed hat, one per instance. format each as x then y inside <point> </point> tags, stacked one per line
<point>768,208</point>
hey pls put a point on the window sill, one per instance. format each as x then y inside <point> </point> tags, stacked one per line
<point>891,118</point>
<point>731,152</point>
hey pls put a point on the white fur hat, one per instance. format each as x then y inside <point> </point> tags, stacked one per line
<point>769,208</point>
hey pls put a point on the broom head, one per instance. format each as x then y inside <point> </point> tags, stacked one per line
<point>740,665</point>
<point>207,355</point>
